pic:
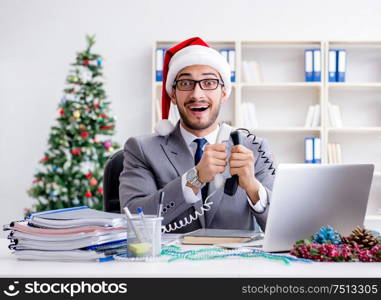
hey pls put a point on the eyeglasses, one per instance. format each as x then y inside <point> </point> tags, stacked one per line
<point>189,84</point>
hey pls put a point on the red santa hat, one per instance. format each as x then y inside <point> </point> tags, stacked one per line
<point>193,51</point>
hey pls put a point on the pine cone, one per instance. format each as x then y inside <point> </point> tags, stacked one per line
<point>363,238</point>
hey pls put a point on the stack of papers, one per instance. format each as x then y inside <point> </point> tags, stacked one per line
<point>78,233</point>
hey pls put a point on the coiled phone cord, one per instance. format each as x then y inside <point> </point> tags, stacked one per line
<point>191,218</point>
<point>260,150</point>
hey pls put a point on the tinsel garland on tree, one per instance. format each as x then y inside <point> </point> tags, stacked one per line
<point>78,147</point>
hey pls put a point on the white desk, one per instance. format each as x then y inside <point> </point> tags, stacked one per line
<point>252,267</point>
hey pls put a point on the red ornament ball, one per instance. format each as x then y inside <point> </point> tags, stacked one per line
<point>84,134</point>
<point>44,159</point>
<point>62,112</point>
<point>88,194</point>
<point>105,127</point>
<point>93,182</point>
<point>76,151</point>
<point>36,180</point>
<point>100,191</point>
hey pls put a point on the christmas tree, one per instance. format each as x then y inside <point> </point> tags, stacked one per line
<point>78,147</point>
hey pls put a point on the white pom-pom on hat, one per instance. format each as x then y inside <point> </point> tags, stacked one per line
<point>164,127</point>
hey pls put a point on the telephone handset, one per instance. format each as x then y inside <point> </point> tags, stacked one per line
<point>231,183</point>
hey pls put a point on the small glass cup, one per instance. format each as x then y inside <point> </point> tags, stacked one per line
<point>144,236</point>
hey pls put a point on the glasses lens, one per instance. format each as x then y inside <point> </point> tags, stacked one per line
<point>209,84</point>
<point>185,85</point>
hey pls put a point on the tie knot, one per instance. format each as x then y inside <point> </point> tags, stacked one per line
<point>200,143</point>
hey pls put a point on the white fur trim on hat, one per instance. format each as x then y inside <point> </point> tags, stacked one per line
<point>164,127</point>
<point>198,55</point>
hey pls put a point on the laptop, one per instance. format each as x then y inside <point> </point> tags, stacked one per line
<point>306,197</point>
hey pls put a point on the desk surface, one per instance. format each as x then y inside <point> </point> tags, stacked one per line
<point>243,267</point>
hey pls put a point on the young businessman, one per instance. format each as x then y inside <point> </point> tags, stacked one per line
<point>183,161</point>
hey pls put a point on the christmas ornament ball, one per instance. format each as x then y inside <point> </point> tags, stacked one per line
<point>77,114</point>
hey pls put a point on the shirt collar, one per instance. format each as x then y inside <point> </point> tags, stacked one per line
<point>189,137</point>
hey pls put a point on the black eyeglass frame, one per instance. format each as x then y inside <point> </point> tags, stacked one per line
<point>199,84</point>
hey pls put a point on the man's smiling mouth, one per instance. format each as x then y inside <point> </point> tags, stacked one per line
<point>197,108</point>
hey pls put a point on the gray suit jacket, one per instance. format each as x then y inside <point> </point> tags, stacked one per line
<point>156,163</point>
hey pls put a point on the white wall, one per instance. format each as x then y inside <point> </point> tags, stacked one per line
<point>39,39</point>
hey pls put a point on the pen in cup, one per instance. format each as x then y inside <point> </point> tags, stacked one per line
<point>141,215</point>
<point>131,223</point>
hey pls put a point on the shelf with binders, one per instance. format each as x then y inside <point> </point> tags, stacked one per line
<point>362,61</point>
<point>276,63</point>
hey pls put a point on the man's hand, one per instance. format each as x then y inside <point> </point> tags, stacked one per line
<point>242,164</point>
<point>213,162</point>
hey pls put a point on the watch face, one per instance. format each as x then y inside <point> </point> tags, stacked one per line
<point>191,175</point>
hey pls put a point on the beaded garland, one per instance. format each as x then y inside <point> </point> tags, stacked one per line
<point>218,253</point>
<point>211,253</point>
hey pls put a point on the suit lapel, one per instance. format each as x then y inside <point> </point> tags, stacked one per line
<point>177,151</point>
<point>180,157</point>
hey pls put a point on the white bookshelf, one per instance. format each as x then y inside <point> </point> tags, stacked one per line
<point>283,97</point>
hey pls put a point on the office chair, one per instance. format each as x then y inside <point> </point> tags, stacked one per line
<point>113,168</point>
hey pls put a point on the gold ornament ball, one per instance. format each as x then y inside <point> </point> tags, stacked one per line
<point>77,114</point>
<point>110,149</point>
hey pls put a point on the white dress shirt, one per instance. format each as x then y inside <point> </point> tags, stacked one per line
<point>189,195</point>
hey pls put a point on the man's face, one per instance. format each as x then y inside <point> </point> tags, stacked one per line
<point>199,108</point>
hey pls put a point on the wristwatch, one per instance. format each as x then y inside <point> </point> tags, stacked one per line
<point>192,178</point>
